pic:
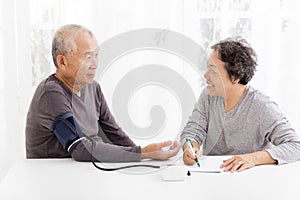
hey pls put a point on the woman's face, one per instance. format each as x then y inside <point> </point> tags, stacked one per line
<point>216,76</point>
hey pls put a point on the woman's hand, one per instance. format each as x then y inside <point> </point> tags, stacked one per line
<point>188,156</point>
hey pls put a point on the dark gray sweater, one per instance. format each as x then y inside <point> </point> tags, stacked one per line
<point>254,124</point>
<point>51,99</point>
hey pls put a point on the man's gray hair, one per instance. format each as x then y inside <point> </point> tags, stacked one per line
<point>63,42</point>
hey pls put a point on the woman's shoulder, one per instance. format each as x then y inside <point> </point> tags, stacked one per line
<point>260,98</point>
<point>257,94</point>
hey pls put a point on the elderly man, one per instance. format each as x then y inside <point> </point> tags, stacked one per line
<point>68,110</point>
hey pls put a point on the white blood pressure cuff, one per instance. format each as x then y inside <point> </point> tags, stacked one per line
<point>67,131</point>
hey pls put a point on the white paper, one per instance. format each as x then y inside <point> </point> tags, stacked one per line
<point>209,164</point>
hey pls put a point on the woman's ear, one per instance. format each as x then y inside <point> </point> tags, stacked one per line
<point>235,80</point>
<point>61,62</point>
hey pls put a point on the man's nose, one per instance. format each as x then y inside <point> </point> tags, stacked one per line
<point>94,62</point>
<point>206,74</point>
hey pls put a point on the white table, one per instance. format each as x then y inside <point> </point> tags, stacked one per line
<point>60,179</point>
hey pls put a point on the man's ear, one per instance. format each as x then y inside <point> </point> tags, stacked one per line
<point>61,62</point>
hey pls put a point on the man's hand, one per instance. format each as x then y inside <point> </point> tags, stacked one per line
<point>155,151</point>
<point>188,157</point>
<point>246,161</point>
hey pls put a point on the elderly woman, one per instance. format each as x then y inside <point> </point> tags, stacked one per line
<point>233,118</point>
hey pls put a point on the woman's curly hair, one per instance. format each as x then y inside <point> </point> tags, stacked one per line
<point>240,59</point>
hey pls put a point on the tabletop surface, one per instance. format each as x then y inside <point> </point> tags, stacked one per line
<point>68,179</point>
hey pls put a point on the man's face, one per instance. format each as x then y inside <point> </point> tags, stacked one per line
<point>82,64</point>
<point>216,76</point>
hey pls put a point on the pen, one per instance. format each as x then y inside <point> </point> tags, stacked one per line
<point>193,150</point>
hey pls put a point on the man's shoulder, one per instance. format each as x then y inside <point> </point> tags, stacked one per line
<point>52,84</point>
<point>94,88</point>
<point>95,85</point>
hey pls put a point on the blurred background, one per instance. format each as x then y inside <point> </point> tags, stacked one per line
<point>27,28</point>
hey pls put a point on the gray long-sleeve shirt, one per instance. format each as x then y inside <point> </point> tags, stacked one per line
<point>254,124</point>
<point>52,99</point>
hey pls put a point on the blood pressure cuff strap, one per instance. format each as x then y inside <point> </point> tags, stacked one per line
<point>67,131</point>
